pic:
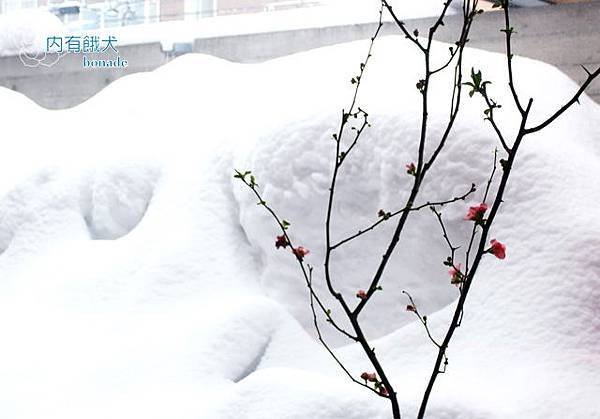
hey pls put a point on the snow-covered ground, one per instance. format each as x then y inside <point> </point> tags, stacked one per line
<point>139,280</point>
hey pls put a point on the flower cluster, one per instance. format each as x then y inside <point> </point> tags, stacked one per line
<point>411,169</point>
<point>362,294</point>
<point>299,252</point>
<point>475,213</point>
<point>372,377</point>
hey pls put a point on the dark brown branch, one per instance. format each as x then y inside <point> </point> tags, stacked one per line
<point>363,65</point>
<point>452,248</point>
<point>456,89</point>
<point>369,352</point>
<point>490,117</point>
<point>423,319</point>
<point>508,31</point>
<point>359,132</point>
<point>421,169</point>
<point>283,228</point>
<point>480,252</point>
<point>402,27</point>
<point>439,22</point>
<point>395,213</point>
<point>338,162</point>
<point>575,98</point>
<point>475,225</point>
<point>325,345</point>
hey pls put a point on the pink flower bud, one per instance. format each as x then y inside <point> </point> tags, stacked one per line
<point>281,242</point>
<point>300,252</point>
<point>456,275</point>
<point>498,249</point>
<point>382,390</point>
<point>372,377</point>
<point>361,294</point>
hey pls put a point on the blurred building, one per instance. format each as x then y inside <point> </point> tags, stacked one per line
<point>92,14</point>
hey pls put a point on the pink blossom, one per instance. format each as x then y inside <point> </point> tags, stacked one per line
<point>477,212</point>
<point>300,252</point>
<point>411,169</point>
<point>382,390</point>
<point>498,249</point>
<point>456,275</point>
<point>369,376</point>
<point>361,294</point>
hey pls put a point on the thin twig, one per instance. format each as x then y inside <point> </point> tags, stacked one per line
<point>254,188</point>
<point>320,337</point>
<point>422,319</point>
<point>395,213</point>
<point>591,77</point>
<point>402,27</point>
<point>508,31</point>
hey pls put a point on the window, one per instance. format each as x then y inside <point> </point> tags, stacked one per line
<point>14,5</point>
<point>196,9</point>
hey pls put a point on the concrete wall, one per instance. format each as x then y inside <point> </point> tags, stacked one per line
<point>264,46</point>
<point>565,35</point>
<point>67,83</point>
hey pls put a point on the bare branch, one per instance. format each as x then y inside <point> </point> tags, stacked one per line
<point>402,26</point>
<point>490,117</point>
<point>320,336</point>
<point>469,15</point>
<point>254,188</point>
<point>395,213</point>
<point>575,98</point>
<point>423,319</point>
<point>508,31</point>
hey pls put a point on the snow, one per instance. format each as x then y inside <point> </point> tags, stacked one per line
<point>140,280</point>
<point>24,32</point>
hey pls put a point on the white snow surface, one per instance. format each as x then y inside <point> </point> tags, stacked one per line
<point>139,280</point>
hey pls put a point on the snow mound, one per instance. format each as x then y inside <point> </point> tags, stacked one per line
<point>140,280</point>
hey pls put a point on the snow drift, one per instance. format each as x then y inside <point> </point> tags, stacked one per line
<point>139,280</point>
